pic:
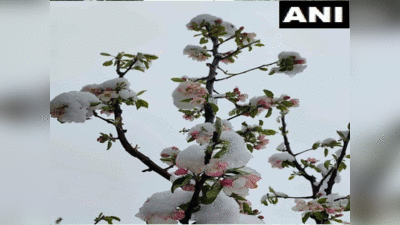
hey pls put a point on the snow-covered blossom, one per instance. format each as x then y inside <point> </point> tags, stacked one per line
<point>202,133</point>
<point>207,18</point>
<point>312,160</point>
<point>108,90</point>
<point>237,154</point>
<point>250,36</point>
<point>161,207</point>
<point>196,52</point>
<point>240,184</point>
<point>262,101</point>
<point>327,141</point>
<point>188,90</point>
<point>295,65</point>
<point>295,102</point>
<point>224,210</point>
<point>230,29</point>
<point>277,159</point>
<point>250,219</point>
<point>73,106</point>
<point>192,159</point>
<point>345,133</point>
<point>261,142</point>
<point>216,168</point>
<point>330,206</point>
<point>169,155</point>
<point>281,146</point>
<point>188,117</point>
<point>226,125</point>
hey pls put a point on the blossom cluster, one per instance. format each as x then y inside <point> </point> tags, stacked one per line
<point>189,95</point>
<point>332,204</point>
<point>168,155</point>
<point>277,159</point>
<point>74,106</point>
<point>290,63</point>
<point>202,133</point>
<point>196,53</point>
<point>213,22</point>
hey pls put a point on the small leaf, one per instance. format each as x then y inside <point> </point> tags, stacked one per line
<point>249,147</point>
<point>322,200</point>
<point>129,55</point>
<point>326,152</point>
<point>327,164</point>
<point>272,72</point>
<point>182,181</point>
<point>141,92</point>
<point>186,100</point>
<point>268,93</point>
<point>108,63</point>
<point>263,69</point>
<point>214,107</point>
<point>109,145</point>
<point>260,122</point>
<point>315,146</point>
<point>269,113</point>
<point>305,217</point>
<point>105,54</point>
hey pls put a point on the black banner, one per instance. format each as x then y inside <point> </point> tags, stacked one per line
<point>314,14</point>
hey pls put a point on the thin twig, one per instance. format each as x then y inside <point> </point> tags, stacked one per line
<point>303,151</point>
<point>119,72</point>
<point>107,120</point>
<point>235,74</point>
<point>238,49</point>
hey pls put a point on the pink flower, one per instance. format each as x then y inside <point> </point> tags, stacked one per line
<point>195,134</point>
<point>188,187</point>
<point>188,117</point>
<point>198,100</point>
<point>226,182</point>
<point>243,97</point>
<point>216,168</point>
<point>252,181</point>
<point>317,208</point>
<point>295,102</point>
<point>178,215</point>
<point>181,171</point>
<point>330,210</point>
<point>312,160</point>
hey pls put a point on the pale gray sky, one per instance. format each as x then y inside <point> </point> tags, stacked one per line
<point>86,179</point>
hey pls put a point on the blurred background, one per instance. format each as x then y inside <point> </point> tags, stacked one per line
<point>25,95</point>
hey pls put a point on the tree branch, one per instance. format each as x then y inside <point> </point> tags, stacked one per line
<point>238,49</point>
<point>303,151</point>
<point>97,115</point>
<point>235,74</point>
<point>297,165</point>
<point>119,72</point>
<point>134,151</point>
<point>331,181</point>
<point>209,115</point>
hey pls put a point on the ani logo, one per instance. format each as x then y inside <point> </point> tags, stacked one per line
<point>314,14</point>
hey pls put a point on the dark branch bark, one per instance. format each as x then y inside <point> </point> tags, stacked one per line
<point>134,151</point>
<point>331,181</point>
<point>97,115</point>
<point>209,115</point>
<point>311,179</point>
<point>119,72</point>
<point>303,151</point>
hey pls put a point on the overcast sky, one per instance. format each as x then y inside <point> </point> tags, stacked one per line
<point>86,179</point>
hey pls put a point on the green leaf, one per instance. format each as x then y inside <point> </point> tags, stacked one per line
<point>182,181</point>
<point>260,122</point>
<point>214,107</point>
<point>322,200</point>
<point>315,146</point>
<point>186,100</point>
<point>272,72</point>
<point>141,92</point>
<point>253,113</point>
<point>269,113</point>
<point>291,177</point>
<point>268,93</point>
<point>268,132</point>
<point>109,145</point>
<point>203,40</point>
<point>108,63</point>
<point>287,103</point>
<point>326,152</point>
<point>249,147</point>
<point>105,54</point>
<point>348,126</point>
<point>263,69</point>
<point>305,217</point>
<point>214,191</point>
<point>327,164</point>
<point>348,156</point>
<point>94,103</point>
<point>129,55</point>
